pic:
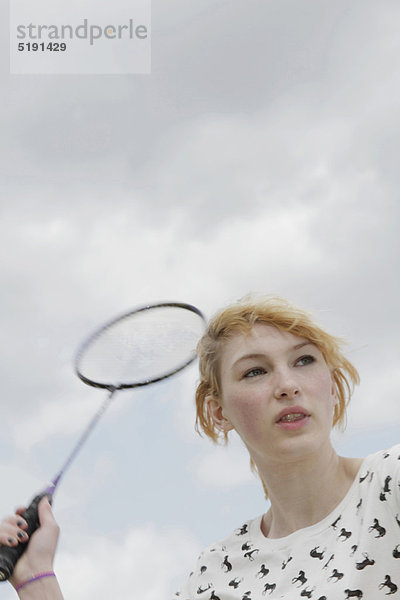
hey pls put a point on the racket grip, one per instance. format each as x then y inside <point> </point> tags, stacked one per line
<point>9,556</point>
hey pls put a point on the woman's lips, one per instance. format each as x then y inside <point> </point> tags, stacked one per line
<point>290,413</point>
<point>294,424</point>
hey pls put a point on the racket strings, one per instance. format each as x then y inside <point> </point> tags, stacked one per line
<point>141,347</point>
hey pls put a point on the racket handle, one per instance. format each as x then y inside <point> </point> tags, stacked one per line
<point>9,556</point>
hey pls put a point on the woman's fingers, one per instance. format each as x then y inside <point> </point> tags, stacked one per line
<point>40,551</point>
<point>8,535</point>
<point>12,531</point>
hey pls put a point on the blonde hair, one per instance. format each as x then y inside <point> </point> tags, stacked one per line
<point>240,318</point>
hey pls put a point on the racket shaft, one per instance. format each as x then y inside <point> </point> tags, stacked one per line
<point>9,556</point>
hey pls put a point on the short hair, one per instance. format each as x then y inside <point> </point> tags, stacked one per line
<point>240,317</point>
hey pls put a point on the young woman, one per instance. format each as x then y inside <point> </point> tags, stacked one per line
<point>332,531</point>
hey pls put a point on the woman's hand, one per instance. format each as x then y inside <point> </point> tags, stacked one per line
<point>39,554</point>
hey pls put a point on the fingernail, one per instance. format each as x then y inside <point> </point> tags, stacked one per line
<point>20,534</point>
<point>20,523</point>
<point>10,541</point>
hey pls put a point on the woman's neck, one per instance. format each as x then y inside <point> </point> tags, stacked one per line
<point>304,492</point>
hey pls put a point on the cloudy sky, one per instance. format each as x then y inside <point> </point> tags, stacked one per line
<point>258,156</point>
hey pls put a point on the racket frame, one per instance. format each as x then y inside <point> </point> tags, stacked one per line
<point>112,387</point>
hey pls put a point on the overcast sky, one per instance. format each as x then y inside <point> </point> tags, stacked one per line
<point>261,155</point>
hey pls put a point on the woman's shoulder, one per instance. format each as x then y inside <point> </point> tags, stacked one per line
<point>389,457</point>
<point>235,539</point>
<point>381,471</point>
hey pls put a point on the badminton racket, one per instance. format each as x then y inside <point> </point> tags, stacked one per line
<point>146,345</point>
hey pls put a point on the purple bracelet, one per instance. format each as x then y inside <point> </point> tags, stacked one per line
<point>35,578</point>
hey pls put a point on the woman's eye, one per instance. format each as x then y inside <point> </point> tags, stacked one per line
<point>254,372</point>
<point>305,360</point>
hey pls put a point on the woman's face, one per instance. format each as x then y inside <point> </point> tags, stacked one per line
<point>277,392</point>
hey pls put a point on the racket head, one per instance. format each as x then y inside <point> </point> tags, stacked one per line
<point>143,346</point>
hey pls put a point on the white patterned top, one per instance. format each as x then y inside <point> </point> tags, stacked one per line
<point>353,553</point>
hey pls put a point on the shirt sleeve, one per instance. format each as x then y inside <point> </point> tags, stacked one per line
<point>184,593</point>
<point>389,475</point>
<point>395,461</point>
<point>193,587</point>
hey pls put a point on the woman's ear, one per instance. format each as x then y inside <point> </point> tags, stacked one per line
<point>334,393</point>
<point>217,414</point>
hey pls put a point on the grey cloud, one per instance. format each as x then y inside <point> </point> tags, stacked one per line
<point>253,109</point>
<point>223,57</point>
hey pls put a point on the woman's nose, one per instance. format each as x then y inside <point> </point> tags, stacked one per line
<point>286,386</point>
